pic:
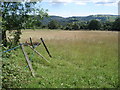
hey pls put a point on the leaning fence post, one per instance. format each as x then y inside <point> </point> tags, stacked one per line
<point>28,62</point>
<point>31,42</point>
<point>39,54</point>
<point>45,47</point>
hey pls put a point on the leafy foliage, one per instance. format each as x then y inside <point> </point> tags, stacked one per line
<point>106,26</point>
<point>13,76</point>
<point>68,26</point>
<point>75,26</point>
<point>94,25</point>
<point>15,16</point>
<point>53,24</point>
<point>116,25</point>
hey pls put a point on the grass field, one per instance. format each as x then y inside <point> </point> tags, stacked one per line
<point>81,59</point>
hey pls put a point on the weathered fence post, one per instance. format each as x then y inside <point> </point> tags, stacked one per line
<point>28,62</point>
<point>38,54</point>
<point>45,47</point>
<point>31,42</point>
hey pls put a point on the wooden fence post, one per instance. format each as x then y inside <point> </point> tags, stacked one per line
<point>45,47</point>
<point>31,42</point>
<point>39,54</point>
<point>27,60</point>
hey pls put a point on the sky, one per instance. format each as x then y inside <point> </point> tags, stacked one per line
<point>68,8</point>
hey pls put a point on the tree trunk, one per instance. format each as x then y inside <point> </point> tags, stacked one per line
<point>4,39</point>
<point>17,37</point>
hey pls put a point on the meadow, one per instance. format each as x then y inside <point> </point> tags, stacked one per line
<point>80,59</point>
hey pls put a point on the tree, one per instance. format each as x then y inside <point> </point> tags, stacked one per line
<point>75,26</point>
<point>53,24</point>
<point>83,26</point>
<point>94,25</point>
<point>116,24</point>
<point>35,24</point>
<point>14,17</point>
<point>68,26</point>
<point>107,25</point>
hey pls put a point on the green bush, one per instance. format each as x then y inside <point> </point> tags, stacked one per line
<point>14,75</point>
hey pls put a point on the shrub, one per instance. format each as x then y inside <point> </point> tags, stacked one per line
<point>13,75</point>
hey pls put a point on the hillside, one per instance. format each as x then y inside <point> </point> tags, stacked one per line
<point>62,20</point>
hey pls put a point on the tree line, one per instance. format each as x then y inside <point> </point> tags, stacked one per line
<point>81,25</point>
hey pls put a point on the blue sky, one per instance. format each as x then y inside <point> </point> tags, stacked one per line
<point>68,8</point>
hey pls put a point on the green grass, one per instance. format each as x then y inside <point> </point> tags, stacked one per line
<point>75,64</point>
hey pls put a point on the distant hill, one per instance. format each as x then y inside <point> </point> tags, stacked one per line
<point>62,20</point>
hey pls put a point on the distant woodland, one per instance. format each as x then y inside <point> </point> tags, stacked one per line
<point>92,22</point>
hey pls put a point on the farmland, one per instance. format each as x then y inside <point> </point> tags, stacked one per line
<point>81,59</point>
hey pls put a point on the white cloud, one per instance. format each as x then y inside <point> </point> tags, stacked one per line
<point>83,2</point>
<point>62,1</point>
<point>80,3</point>
<point>70,14</point>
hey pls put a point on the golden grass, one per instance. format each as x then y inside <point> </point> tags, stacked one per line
<point>90,36</point>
